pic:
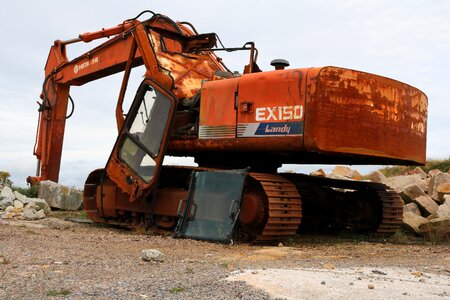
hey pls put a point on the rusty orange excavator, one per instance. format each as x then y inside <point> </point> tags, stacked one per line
<point>239,128</point>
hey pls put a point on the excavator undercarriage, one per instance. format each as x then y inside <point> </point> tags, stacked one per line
<point>274,207</point>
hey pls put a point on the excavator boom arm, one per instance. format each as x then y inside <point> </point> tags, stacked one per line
<point>132,44</point>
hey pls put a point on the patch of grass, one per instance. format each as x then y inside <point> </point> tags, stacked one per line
<point>56,293</point>
<point>177,290</point>
<point>225,264</point>
<point>443,165</point>
<point>29,192</point>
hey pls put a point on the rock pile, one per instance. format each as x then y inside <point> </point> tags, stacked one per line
<point>14,205</point>
<point>426,198</point>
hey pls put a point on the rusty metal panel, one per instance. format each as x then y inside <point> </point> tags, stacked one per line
<point>187,70</point>
<point>357,113</point>
<point>217,109</point>
<point>270,104</point>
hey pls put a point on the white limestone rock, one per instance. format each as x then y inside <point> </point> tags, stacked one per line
<point>33,214</point>
<point>60,196</point>
<point>152,255</point>
<point>38,204</point>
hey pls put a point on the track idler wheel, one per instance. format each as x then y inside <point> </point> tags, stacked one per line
<point>271,209</point>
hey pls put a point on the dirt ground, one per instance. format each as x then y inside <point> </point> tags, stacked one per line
<point>52,258</point>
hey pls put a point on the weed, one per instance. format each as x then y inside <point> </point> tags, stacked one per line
<point>177,290</point>
<point>56,293</point>
<point>443,165</point>
<point>225,264</point>
<point>30,192</point>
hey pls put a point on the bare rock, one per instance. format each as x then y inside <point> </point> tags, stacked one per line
<point>399,183</point>
<point>417,170</point>
<point>33,214</point>
<point>60,196</point>
<point>411,192</point>
<point>7,193</point>
<point>152,255</point>
<point>426,205</point>
<point>377,176</point>
<point>55,223</point>
<point>5,202</point>
<point>12,212</point>
<point>437,229</point>
<point>434,172</point>
<point>443,189</point>
<point>436,181</point>
<point>412,207</point>
<point>17,204</point>
<point>413,222</point>
<point>38,204</point>
<point>20,197</point>
<point>443,210</point>
<point>319,173</point>
<point>446,198</point>
<point>335,176</point>
<point>346,172</point>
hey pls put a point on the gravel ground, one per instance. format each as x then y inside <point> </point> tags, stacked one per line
<point>55,258</point>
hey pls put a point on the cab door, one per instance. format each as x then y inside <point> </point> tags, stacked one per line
<point>137,157</point>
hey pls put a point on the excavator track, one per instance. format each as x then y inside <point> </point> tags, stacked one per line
<point>392,211</point>
<point>387,207</point>
<point>284,208</point>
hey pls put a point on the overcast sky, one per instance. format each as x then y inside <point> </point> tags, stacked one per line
<point>405,40</point>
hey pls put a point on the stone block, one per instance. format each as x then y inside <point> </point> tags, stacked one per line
<point>410,192</point>
<point>436,181</point>
<point>60,196</point>
<point>412,207</point>
<point>399,183</point>
<point>346,172</point>
<point>426,205</point>
<point>319,173</point>
<point>436,230</point>
<point>443,210</point>
<point>419,171</point>
<point>413,222</point>
<point>377,176</point>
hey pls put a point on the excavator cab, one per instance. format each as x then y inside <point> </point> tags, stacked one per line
<point>139,150</point>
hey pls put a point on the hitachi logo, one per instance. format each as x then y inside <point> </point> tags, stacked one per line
<point>285,129</point>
